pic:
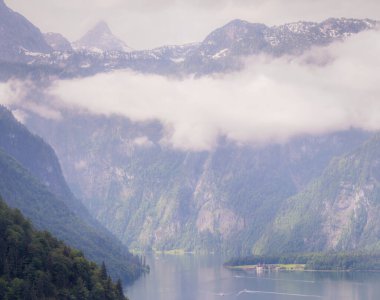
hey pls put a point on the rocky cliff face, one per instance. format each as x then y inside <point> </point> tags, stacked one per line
<point>154,197</point>
<point>337,211</point>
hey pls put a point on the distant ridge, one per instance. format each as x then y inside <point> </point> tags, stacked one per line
<point>99,50</point>
<point>18,35</point>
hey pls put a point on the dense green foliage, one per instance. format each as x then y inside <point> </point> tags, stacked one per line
<point>31,180</point>
<point>315,261</point>
<point>35,265</point>
<point>269,259</point>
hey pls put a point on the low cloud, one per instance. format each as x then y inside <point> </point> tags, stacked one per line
<point>25,96</point>
<point>143,142</point>
<point>11,92</point>
<point>270,101</point>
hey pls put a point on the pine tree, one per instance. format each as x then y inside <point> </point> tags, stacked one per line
<point>119,290</point>
<point>81,292</point>
<point>103,272</point>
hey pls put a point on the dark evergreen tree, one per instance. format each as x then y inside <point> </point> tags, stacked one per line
<point>119,289</point>
<point>103,272</point>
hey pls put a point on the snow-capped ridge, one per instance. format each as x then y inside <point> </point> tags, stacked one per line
<point>240,37</point>
<point>57,41</point>
<point>99,50</point>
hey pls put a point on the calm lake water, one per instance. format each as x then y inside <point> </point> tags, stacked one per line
<point>192,277</point>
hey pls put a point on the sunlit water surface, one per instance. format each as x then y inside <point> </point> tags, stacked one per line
<point>190,277</point>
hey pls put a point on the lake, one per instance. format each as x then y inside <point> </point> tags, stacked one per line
<point>190,277</point>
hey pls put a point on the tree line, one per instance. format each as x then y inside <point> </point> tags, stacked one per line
<point>339,261</point>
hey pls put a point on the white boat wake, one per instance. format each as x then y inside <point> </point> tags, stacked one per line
<point>220,294</point>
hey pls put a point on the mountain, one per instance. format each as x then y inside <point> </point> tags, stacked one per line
<point>154,197</point>
<point>40,192</point>
<point>243,38</point>
<point>33,154</point>
<point>239,38</point>
<point>18,36</point>
<point>221,51</point>
<point>35,265</point>
<point>151,196</point>
<point>58,42</point>
<point>100,39</point>
<point>38,158</point>
<point>337,211</point>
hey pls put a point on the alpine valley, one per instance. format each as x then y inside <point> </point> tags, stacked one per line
<point>309,193</point>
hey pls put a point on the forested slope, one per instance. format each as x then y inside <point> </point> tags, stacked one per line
<point>35,265</point>
<point>31,180</point>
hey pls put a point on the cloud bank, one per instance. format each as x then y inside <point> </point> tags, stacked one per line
<point>270,101</point>
<point>25,96</point>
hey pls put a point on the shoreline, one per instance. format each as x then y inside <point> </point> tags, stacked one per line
<point>291,268</point>
<point>269,267</point>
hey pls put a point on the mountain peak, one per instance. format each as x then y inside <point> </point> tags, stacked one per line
<point>242,25</point>
<point>237,22</point>
<point>101,27</point>
<point>57,41</point>
<point>99,39</point>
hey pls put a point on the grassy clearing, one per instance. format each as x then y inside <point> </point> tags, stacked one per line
<point>285,267</point>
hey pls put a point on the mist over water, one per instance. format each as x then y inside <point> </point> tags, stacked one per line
<point>190,277</point>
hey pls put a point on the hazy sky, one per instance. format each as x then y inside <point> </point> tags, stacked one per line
<point>151,23</point>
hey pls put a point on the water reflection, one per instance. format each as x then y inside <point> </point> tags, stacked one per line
<point>191,277</point>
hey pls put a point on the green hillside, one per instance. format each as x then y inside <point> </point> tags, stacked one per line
<point>34,265</point>
<point>31,180</point>
<point>47,212</point>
